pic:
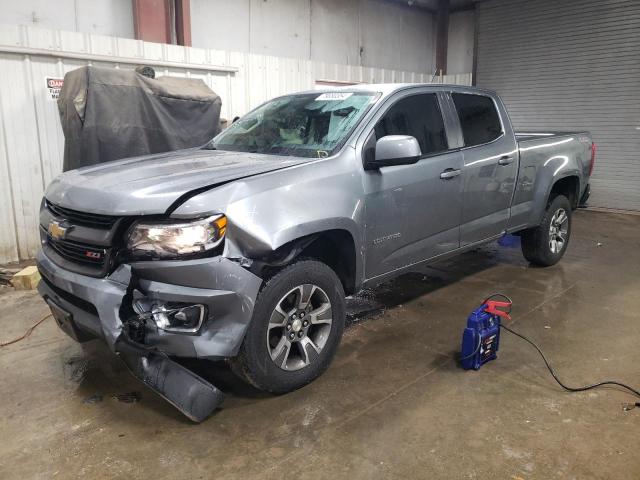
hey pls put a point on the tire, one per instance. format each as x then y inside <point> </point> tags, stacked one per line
<point>264,360</point>
<point>545,245</point>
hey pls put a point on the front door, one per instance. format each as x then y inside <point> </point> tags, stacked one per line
<point>413,211</point>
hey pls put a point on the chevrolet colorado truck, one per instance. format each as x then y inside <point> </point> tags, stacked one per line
<point>244,249</point>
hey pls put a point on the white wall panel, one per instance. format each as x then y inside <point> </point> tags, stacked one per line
<point>280,27</point>
<point>220,24</point>
<point>461,42</point>
<point>103,17</point>
<point>335,31</point>
<point>391,35</point>
<point>31,139</point>
<point>397,36</point>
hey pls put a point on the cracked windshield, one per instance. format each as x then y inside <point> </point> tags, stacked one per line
<point>306,125</point>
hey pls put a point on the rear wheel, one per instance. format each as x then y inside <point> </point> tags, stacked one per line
<point>545,245</point>
<point>297,325</point>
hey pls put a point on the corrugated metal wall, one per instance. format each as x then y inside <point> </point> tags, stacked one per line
<point>572,64</point>
<point>31,139</point>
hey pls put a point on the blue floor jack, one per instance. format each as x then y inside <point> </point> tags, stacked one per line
<point>481,340</point>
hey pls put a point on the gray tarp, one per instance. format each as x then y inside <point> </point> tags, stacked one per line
<point>108,114</point>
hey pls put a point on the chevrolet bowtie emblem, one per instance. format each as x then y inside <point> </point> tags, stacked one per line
<point>57,231</point>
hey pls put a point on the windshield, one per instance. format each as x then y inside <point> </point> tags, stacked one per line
<point>306,125</point>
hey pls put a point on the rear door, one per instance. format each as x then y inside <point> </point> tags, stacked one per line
<point>411,212</point>
<point>490,165</point>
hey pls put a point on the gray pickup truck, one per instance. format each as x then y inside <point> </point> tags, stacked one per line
<point>244,249</point>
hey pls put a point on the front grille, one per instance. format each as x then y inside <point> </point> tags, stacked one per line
<point>79,252</point>
<point>81,218</point>
<point>82,242</point>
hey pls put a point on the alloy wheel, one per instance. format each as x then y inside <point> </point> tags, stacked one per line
<point>299,327</point>
<point>558,230</point>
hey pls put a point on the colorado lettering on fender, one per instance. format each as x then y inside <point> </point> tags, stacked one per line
<point>386,238</point>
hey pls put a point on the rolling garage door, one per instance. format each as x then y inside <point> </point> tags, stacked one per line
<point>571,65</point>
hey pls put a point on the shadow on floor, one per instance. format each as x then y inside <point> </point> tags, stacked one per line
<point>371,302</point>
<point>97,362</point>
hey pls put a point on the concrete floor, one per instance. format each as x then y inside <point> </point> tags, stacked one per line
<point>393,405</point>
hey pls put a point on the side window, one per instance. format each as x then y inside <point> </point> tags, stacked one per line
<point>418,116</point>
<point>478,118</point>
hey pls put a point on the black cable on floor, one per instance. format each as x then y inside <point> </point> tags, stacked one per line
<point>550,368</point>
<point>555,376</point>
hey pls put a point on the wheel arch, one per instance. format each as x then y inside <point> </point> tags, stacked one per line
<point>334,247</point>
<point>567,183</point>
<point>569,186</point>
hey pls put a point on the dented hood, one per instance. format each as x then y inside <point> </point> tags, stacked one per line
<point>153,183</point>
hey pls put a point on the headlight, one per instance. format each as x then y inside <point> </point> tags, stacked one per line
<point>169,240</point>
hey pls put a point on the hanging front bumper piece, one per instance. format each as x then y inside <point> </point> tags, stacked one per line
<point>136,312</point>
<point>192,395</point>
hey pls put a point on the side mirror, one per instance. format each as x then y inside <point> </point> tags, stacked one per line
<point>394,150</point>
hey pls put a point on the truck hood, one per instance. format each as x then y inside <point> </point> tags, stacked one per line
<point>151,184</point>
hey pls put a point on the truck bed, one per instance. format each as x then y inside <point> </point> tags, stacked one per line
<point>534,135</point>
<point>543,157</point>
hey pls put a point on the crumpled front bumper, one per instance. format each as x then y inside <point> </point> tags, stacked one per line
<point>228,290</point>
<point>98,307</point>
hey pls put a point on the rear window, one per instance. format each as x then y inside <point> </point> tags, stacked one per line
<point>478,118</point>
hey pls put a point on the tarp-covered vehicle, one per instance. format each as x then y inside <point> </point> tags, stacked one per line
<point>108,114</point>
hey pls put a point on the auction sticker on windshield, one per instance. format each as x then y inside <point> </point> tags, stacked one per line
<point>333,96</point>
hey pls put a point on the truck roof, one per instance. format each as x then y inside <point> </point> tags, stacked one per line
<point>390,88</point>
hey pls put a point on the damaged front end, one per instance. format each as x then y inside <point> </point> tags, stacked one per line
<point>148,312</point>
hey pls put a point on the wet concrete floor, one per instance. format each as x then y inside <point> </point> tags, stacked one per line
<point>394,404</point>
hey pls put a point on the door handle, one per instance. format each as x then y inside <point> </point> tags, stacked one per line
<point>506,160</point>
<point>450,173</point>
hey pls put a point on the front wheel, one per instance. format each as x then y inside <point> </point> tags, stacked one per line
<point>545,244</point>
<point>296,327</point>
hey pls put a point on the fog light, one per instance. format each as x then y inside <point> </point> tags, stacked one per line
<point>179,319</point>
